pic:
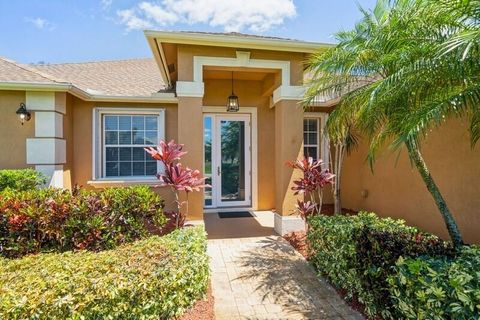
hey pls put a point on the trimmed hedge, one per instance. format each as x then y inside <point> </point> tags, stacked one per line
<point>59,220</point>
<point>156,278</point>
<point>357,253</point>
<point>438,288</point>
<point>21,180</point>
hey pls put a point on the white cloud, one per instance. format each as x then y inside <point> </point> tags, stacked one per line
<point>41,23</point>
<point>106,4</point>
<point>254,15</point>
<point>130,19</point>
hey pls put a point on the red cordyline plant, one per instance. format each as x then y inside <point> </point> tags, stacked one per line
<point>314,179</point>
<point>176,176</point>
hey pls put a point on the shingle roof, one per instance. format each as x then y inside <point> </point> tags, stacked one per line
<point>240,34</point>
<point>135,77</point>
<point>11,71</point>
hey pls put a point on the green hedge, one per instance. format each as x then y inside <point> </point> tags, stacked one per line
<point>21,180</point>
<point>438,288</point>
<point>357,253</point>
<point>59,220</point>
<point>156,278</point>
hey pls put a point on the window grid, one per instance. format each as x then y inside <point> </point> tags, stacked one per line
<point>311,137</point>
<point>124,137</point>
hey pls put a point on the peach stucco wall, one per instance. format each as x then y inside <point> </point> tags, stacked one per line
<point>12,134</point>
<point>81,138</point>
<point>395,188</point>
<point>187,52</point>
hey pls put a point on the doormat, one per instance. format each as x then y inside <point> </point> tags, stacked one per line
<point>235,214</point>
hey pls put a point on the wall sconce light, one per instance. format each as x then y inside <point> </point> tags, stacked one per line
<point>23,113</point>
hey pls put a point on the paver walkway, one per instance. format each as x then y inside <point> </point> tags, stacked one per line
<point>265,278</point>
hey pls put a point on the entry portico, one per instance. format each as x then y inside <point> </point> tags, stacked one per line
<point>242,154</point>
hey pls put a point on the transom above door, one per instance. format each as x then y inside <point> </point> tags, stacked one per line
<point>227,160</point>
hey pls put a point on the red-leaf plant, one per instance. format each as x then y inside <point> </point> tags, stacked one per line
<point>175,176</point>
<point>314,179</point>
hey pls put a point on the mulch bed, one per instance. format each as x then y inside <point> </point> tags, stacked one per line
<point>202,310</point>
<point>299,242</point>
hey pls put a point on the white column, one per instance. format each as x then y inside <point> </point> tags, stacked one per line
<point>47,151</point>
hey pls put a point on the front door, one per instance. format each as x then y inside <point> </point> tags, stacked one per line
<point>227,160</point>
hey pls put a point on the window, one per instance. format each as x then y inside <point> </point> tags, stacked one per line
<point>315,143</point>
<point>121,138</point>
<point>311,137</point>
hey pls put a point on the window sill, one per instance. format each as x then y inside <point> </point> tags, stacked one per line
<point>105,183</point>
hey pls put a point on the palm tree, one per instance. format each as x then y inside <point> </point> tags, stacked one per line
<point>397,76</point>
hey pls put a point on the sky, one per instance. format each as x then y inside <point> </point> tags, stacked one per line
<point>56,31</point>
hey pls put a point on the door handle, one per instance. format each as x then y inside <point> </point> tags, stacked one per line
<point>218,170</point>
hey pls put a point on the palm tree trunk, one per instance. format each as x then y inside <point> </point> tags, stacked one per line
<point>452,227</point>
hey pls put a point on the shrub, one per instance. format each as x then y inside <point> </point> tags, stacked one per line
<point>58,220</point>
<point>379,248</point>
<point>438,288</point>
<point>356,253</point>
<point>21,180</point>
<point>156,278</point>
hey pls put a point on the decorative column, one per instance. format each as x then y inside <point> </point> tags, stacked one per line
<point>47,151</point>
<point>190,133</point>
<point>288,147</point>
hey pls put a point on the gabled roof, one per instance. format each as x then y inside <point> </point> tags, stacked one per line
<point>134,77</point>
<point>236,40</point>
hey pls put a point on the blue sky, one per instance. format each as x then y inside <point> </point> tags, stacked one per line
<point>56,31</point>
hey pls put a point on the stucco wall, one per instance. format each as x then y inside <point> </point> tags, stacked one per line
<point>396,189</point>
<point>12,134</point>
<point>82,138</point>
<point>187,52</point>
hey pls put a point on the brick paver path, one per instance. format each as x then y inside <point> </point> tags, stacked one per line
<point>265,278</point>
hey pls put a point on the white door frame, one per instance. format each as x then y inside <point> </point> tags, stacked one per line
<point>252,111</point>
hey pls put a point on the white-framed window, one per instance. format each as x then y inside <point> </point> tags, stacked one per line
<point>315,142</point>
<point>120,136</point>
<point>311,137</point>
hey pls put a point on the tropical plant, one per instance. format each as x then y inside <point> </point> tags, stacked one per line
<point>176,176</point>
<point>397,76</point>
<point>343,140</point>
<point>59,220</point>
<point>358,253</point>
<point>311,184</point>
<point>21,180</point>
<point>153,278</point>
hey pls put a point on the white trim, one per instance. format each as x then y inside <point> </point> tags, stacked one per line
<point>216,180</point>
<point>285,92</point>
<point>233,41</point>
<point>159,97</point>
<point>103,183</point>
<point>325,141</point>
<point>190,89</point>
<point>196,87</point>
<point>98,163</point>
<point>48,124</point>
<point>242,59</point>
<point>287,224</point>
<point>54,172</point>
<point>254,144</point>
<point>46,151</point>
<point>318,132</point>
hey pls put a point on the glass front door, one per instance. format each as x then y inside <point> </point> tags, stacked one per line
<point>227,160</point>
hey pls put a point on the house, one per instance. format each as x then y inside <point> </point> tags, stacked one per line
<point>90,122</point>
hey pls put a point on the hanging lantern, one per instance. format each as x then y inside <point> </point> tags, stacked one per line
<point>232,101</point>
